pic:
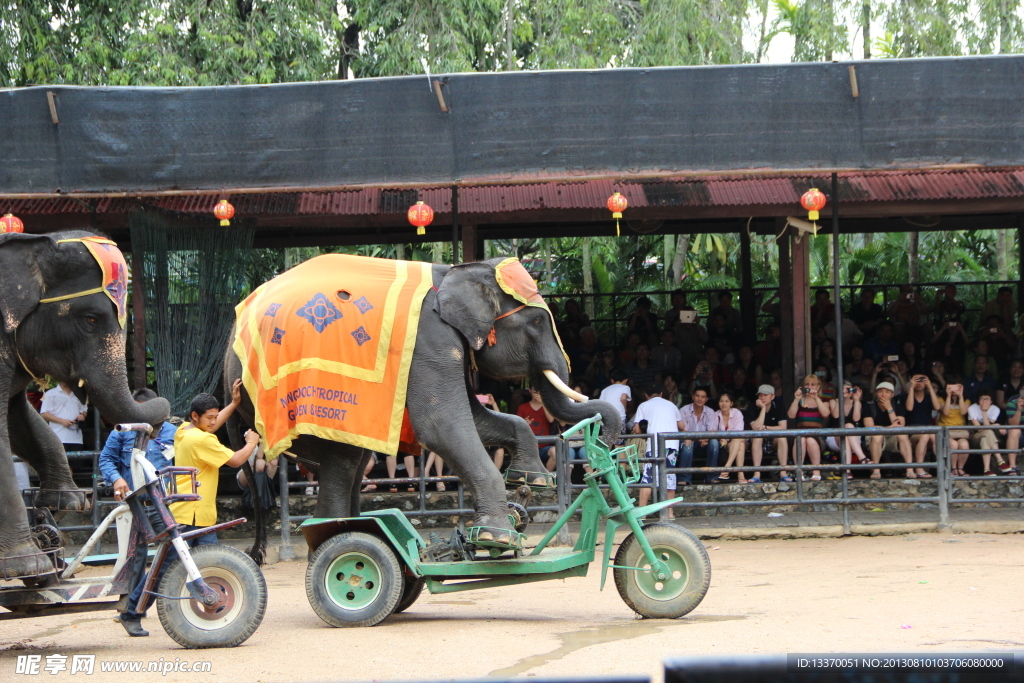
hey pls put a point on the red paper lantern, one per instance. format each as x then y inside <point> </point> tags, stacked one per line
<point>421,215</point>
<point>224,211</point>
<point>617,204</point>
<point>11,223</point>
<point>814,201</point>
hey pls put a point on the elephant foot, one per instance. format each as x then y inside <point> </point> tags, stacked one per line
<point>537,480</point>
<point>63,500</point>
<point>493,531</point>
<point>25,561</point>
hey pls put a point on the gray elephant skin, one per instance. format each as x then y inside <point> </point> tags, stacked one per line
<point>78,340</point>
<point>455,320</point>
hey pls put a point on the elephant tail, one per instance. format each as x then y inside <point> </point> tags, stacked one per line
<point>258,551</point>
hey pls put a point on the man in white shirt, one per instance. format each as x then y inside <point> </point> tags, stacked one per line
<point>62,409</point>
<point>618,394</point>
<point>662,417</point>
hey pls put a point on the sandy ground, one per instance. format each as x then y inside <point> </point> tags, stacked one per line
<point>861,594</point>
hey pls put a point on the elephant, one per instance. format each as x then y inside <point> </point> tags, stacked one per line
<point>467,320</point>
<point>62,297</point>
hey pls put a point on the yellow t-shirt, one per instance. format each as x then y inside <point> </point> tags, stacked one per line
<point>195,448</point>
<point>954,418</point>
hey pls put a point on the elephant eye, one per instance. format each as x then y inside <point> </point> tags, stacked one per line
<point>91,319</point>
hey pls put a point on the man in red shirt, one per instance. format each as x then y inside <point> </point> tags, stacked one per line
<point>539,419</point>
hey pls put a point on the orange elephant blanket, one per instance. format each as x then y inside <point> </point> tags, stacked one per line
<point>326,349</point>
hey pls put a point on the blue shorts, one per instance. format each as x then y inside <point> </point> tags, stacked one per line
<point>651,470</point>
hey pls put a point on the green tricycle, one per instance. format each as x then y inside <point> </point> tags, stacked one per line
<point>363,569</point>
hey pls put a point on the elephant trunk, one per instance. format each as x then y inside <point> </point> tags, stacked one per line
<point>108,390</point>
<point>569,411</point>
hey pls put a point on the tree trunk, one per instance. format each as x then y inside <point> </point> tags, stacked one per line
<point>508,35</point>
<point>679,262</point>
<point>1002,270</point>
<point>865,25</point>
<point>548,276</point>
<point>588,278</point>
<point>668,249</point>
<point>400,252</point>
<point>913,241</point>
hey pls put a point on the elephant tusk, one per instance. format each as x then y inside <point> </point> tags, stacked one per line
<point>81,383</point>
<point>557,383</point>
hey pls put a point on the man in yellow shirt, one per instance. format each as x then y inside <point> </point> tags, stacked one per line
<point>196,445</point>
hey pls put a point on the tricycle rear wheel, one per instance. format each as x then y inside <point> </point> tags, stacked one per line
<point>688,563</point>
<point>354,579</point>
<point>411,593</point>
<point>243,590</point>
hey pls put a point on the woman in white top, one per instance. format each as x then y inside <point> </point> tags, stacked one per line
<point>731,419</point>
<point>985,412</point>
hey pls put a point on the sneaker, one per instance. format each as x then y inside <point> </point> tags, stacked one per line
<point>133,627</point>
<point>1004,468</point>
<point>990,473</point>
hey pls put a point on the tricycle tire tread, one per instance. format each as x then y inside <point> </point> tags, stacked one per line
<point>250,591</point>
<point>382,598</point>
<point>687,548</point>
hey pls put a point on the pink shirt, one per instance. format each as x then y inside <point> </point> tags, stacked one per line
<point>735,421</point>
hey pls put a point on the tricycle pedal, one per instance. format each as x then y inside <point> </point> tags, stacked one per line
<point>536,480</point>
<point>487,537</point>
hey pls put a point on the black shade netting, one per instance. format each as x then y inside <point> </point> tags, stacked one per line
<point>193,275</point>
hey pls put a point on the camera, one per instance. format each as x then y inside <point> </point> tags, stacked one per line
<point>892,359</point>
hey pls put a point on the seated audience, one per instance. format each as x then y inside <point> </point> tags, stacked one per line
<point>730,419</point>
<point>953,414</point>
<point>1003,307</point>
<point>886,413</point>
<point>882,345</point>
<point>921,400</point>
<point>978,381</point>
<point>985,412</point>
<point>866,313</point>
<point>697,417</point>
<point>767,415</point>
<point>643,371</point>
<point>733,321</point>
<point>666,354</point>
<point>618,393</point>
<point>662,417</point>
<point>809,411</point>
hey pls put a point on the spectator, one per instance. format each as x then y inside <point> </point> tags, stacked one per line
<point>769,351</point>
<point>828,389</point>
<point>536,415</point>
<point>733,321</point>
<point>866,313</point>
<point>195,445</point>
<point>810,411</point>
<point>953,414</point>
<point>889,371</point>
<point>599,374</point>
<point>909,314</point>
<point>980,348</point>
<point>436,462</point>
<point>721,337</point>
<point>745,359</point>
<point>391,465</point>
<point>995,337</point>
<point>980,380</point>
<point>671,317</point>
<point>643,371</point>
<point>947,308</point>
<point>920,402</point>
<point>851,332</point>
<point>691,338</point>
<point>937,374</point>
<point>1012,385</point>
<point>882,345</point>
<point>730,419</point>
<point>822,310</point>
<point>34,394</point>
<point>627,354</point>
<point>575,318</point>
<point>697,417</point>
<point>884,412</point>
<point>1012,413</point>
<point>497,454</point>
<point>671,392</point>
<point>62,409</point>
<point>588,347</point>
<point>115,461</point>
<point>719,369</point>
<point>855,353</point>
<point>983,413</point>
<point>738,388</point>
<point>910,355</point>
<point>1002,306</point>
<point>826,357</point>
<point>264,472</point>
<point>865,373</point>
<point>618,393</point>
<point>853,418</point>
<point>643,322</point>
<point>949,343</point>
<point>764,415</point>
<point>662,417</point>
<point>703,379</point>
<point>666,354</point>
<point>776,380</point>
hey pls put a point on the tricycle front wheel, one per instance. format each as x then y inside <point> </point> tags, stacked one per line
<point>689,568</point>
<point>243,599</point>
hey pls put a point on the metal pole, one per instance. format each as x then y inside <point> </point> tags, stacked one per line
<point>286,551</point>
<point>942,479</point>
<point>455,224</point>
<point>563,488</point>
<point>838,306</point>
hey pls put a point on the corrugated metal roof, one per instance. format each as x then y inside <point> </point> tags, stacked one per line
<point>887,186</point>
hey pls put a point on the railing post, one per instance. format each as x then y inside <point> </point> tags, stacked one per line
<point>943,478</point>
<point>563,488</point>
<point>285,551</point>
<point>661,453</point>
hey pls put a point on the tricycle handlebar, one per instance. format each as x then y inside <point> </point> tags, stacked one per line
<point>580,425</point>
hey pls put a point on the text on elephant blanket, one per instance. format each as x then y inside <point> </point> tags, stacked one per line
<point>329,395</point>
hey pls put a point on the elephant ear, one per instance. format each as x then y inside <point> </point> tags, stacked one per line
<point>21,282</point>
<point>469,300</point>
